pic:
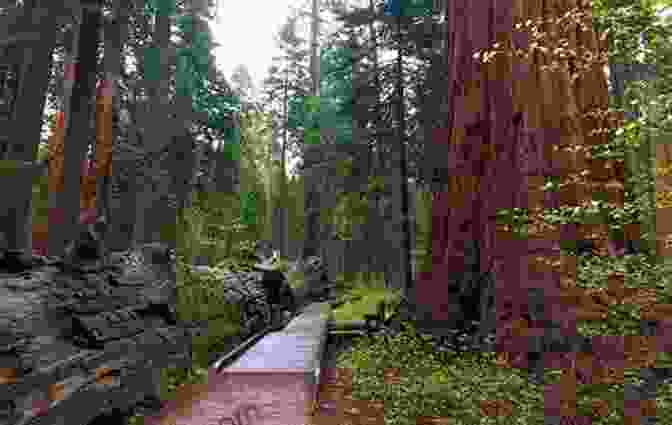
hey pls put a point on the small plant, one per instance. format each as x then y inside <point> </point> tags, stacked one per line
<point>200,297</point>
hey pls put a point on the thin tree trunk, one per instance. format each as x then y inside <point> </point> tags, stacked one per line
<point>358,261</point>
<point>401,195</point>
<point>406,224</point>
<point>375,235</point>
<point>312,201</point>
<point>209,185</point>
<point>280,230</point>
<point>225,169</point>
<point>116,34</point>
<point>314,59</point>
<point>26,122</point>
<point>156,130</point>
<point>33,83</point>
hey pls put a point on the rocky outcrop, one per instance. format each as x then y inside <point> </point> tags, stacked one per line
<point>64,325</point>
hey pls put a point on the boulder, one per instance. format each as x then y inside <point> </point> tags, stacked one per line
<point>64,325</point>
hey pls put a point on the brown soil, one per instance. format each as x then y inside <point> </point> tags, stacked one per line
<point>335,403</point>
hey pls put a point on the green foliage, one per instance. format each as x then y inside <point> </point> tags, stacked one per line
<point>160,7</point>
<point>210,227</point>
<point>40,199</point>
<point>333,109</point>
<point>152,63</point>
<point>376,185</point>
<point>351,209</point>
<point>231,151</point>
<point>311,106</point>
<point>625,20</point>
<point>336,92</point>
<point>311,136</point>
<point>248,213</point>
<point>213,228</point>
<point>194,67</point>
<point>304,112</point>
<point>408,7</point>
<point>363,299</point>
<point>434,384</point>
<point>191,229</point>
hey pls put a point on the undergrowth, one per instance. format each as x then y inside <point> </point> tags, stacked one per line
<point>433,384</point>
<point>206,230</point>
<point>436,384</point>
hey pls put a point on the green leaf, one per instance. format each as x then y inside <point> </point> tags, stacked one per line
<point>164,7</point>
<point>231,151</point>
<point>152,63</point>
<point>311,136</point>
<point>311,105</point>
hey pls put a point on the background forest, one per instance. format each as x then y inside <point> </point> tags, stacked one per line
<point>234,175</point>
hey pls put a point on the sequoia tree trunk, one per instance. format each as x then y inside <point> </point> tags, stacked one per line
<point>502,119</point>
<point>116,33</point>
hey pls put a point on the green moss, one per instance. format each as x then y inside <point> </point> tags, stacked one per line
<point>365,301</point>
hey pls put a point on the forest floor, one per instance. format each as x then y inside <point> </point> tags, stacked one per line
<point>416,383</point>
<point>412,380</point>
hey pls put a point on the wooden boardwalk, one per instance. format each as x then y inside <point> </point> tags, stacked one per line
<point>273,383</point>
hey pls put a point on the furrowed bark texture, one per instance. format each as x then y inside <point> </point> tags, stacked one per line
<point>504,118</point>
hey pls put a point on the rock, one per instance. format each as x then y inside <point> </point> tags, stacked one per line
<point>315,274</point>
<point>264,249</point>
<point>262,295</point>
<point>294,266</point>
<point>634,247</point>
<point>63,322</point>
<point>202,269</point>
<point>585,247</point>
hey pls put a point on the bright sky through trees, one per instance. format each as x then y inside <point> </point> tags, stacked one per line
<point>246,30</point>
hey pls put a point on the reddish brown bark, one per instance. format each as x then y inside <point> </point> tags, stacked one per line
<point>504,118</point>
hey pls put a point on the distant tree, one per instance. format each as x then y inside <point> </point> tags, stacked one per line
<point>287,80</point>
<point>243,85</point>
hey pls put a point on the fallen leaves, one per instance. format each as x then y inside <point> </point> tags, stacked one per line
<point>391,376</point>
<point>432,420</point>
<point>7,375</point>
<point>337,406</point>
<point>599,408</point>
<point>496,408</point>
